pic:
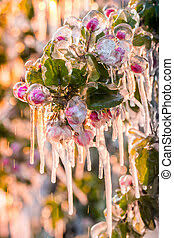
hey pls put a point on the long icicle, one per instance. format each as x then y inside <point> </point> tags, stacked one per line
<point>108,187</point>
<point>145,104</point>
<point>88,158</point>
<point>32,133</point>
<point>68,170</point>
<point>40,138</point>
<point>120,139</point>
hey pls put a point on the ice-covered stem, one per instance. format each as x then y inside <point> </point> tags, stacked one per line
<point>32,133</point>
<point>88,42</point>
<point>140,80</point>
<point>41,137</point>
<point>104,155</point>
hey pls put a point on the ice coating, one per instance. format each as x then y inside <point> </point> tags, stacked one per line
<point>63,32</point>
<point>123,31</point>
<point>92,25</point>
<point>97,25</point>
<point>37,95</point>
<point>84,138</point>
<point>76,111</point>
<point>20,90</point>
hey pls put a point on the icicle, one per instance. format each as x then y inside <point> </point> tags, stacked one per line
<point>55,153</point>
<point>97,137</point>
<point>71,153</point>
<point>131,81</point>
<point>53,172</point>
<point>108,187</point>
<point>32,133</point>
<point>145,104</point>
<point>124,81</point>
<point>134,176</point>
<point>100,174</point>
<point>80,154</point>
<point>114,130</point>
<point>68,170</point>
<point>41,138</point>
<point>88,159</point>
<point>112,75</point>
<point>120,139</point>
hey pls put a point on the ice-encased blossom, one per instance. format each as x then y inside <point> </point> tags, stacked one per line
<point>76,111</point>
<point>19,91</point>
<point>38,95</point>
<point>94,21</point>
<point>123,31</point>
<point>138,64</point>
<point>75,25</point>
<point>84,138</point>
<point>109,8</point>
<point>110,52</point>
<point>54,133</point>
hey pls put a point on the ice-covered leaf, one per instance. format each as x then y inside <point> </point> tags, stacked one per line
<point>102,97</point>
<point>34,76</point>
<point>54,72</point>
<point>147,165</point>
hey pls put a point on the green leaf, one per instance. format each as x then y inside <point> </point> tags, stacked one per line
<point>99,36</point>
<point>34,76</point>
<point>147,165</point>
<point>100,72</point>
<point>137,96</point>
<point>148,208</point>
<point>48,49</point>
<point>56,212</point>
<point>83,33</point>
<point>140,40</point>
<point>102,97</point>
<point>78,77</point>
<point>125,199</point>
<point>54,72</point>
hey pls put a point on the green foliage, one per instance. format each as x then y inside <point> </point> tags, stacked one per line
<point>102,97</point>
<point>149,211</point>
<point>140,40</point>
<point>56,212</point>
<point>78,77</point>
<point>149,13</point>
<point>34,76</point>
<point>147,165</point>
<point>123,229</point>
<point>54,72</point>
<point>99,72</point>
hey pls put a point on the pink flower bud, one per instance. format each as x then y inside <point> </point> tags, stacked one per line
<point>19,91</point>
<point>94,116</point>
<point>66,132</point>
<point>136,68</point>
<point>125,180</point>
<point>109,11</point>
<point>54,133</point>
<point>120,35</point>
<point>84,138</point>
<point>92,24</point>
<point>59,38</point>
<point>36,97</point>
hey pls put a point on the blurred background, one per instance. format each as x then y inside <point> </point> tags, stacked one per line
<point>30,205</point>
